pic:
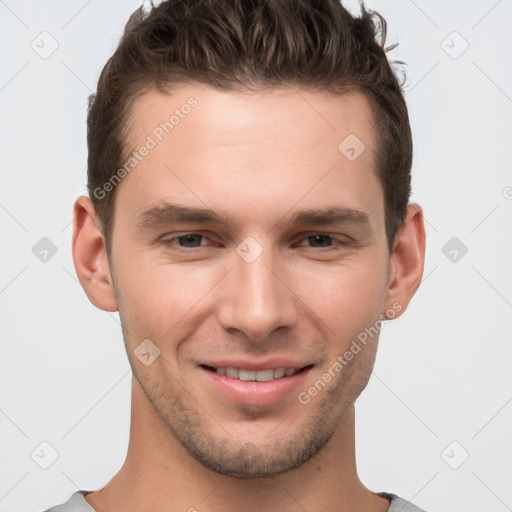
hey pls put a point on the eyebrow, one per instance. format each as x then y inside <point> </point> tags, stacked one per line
<point>166,214</point>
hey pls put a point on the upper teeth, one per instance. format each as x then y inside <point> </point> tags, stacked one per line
<point>260,376</point>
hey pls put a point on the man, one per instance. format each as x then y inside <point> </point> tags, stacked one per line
<point>249,178</point>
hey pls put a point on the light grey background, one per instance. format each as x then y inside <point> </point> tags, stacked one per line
<point>442,385</point>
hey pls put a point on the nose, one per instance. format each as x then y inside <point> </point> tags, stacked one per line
<point>255,298</point>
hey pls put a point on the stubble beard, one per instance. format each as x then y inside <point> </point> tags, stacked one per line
<point>210,443</point>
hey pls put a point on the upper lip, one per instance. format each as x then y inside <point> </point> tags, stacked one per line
<point>244,364</point>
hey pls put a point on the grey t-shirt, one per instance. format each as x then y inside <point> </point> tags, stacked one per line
<point>77,503</point>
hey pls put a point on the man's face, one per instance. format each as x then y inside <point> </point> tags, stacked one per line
<point>257,289</point>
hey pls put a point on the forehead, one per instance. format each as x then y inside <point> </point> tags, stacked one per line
<point>270,147</point>
<point>277,116</point>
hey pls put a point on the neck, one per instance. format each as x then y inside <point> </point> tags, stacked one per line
<point>159,474</point>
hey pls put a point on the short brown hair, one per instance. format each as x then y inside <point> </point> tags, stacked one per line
<point>237,44</point>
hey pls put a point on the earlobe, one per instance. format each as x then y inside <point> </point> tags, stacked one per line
<point>407,259</point>
<point>90,257</point>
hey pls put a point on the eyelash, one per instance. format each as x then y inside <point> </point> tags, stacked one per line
<point>170,242</point>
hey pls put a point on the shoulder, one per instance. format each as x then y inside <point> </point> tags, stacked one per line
<point>76,503</point>
<point>399,504</point>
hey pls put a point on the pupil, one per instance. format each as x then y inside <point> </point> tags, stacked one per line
<point>189,238</point>
<point>324,237</point>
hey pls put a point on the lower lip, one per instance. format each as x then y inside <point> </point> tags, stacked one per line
<point>254,392</point>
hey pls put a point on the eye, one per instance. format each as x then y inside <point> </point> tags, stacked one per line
<point>325,241</point>
<point>185,241</point>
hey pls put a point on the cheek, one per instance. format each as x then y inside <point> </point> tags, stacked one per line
<point>159,299</point>
<point>344,296</point>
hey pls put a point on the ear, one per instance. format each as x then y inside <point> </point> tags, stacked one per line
<point>90,256</point>
<point>406,261</point>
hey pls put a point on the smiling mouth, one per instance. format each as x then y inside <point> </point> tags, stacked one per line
<point>256,376</point>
